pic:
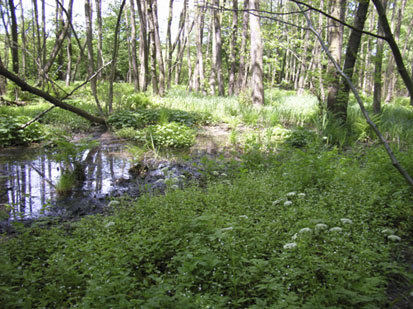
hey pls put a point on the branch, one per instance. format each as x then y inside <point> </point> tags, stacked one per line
<point>36,118</point>
<point>55,101</point>
<point>390,153</point>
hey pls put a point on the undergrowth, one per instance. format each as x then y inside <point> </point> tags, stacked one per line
<point>302,229</point>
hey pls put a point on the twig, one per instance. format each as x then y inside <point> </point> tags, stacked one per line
<point>390,153</point>
<point>36,118</point>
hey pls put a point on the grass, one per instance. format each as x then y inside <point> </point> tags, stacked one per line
<point>243,241</point>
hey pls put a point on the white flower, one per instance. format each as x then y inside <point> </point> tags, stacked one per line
<point>305,230</point>
<point>113,203</point>
<point>288,203</point>
<point>244,216</point>
<point>387,231</point>
<point>109,224</point>
<point>174,187</point>
<point>227,229</point>
<point>321,226</point>
<point>291,194</point>
<point>301,194</point>
<point>336,229</point>
<point>295,236</point>
<point>215,173</point>
<point>276,202</point>
<point>224,175</point>
<point>394,238</point>
<point>290,245</point>
<point>346,221</point>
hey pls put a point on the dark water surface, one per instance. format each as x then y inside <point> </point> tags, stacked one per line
<point>28,177</point>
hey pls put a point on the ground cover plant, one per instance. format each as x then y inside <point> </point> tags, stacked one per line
<point>317,230</point>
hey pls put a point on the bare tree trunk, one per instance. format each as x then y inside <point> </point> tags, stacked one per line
<point>378,64</point>
<point>256,55</point>
<point>143,45</point>
<point>394,48</point>
<point>99,61</point>
<point>243,51</point>
<point>188,54</point>
<point>23,36</point>
<point>154,74</point>
<point>14,38</point>
<point>168,53</point>
<point>390,76</point>
<point>217,49</point>
<point>134,69</point>
<point>153,20</point>
<point>199,78</point>
<point>233,48</point>
<point>91,62</point>
<point>114,58</point>
<point>69,59</point>
<point>353,47</point>
<point>335,50</point>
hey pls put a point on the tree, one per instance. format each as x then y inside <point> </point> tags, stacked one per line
<point>256,54</point>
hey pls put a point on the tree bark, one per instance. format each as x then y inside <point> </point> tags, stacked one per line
<point>256,54</point>
<point>217,49</point>
<point>395,49</point>
<point>352,50</point>
<point>55,101</point>
<point>241,85</point>
<point>99,23</point>
<point>23,37</point>
<point>14,38</point>
<point>233,48</point>
<point>199,78</point>
<point>143,46</point>
<point>168,52</point>
<point>135,71</point>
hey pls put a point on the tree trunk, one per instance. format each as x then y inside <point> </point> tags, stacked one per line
<point>233,48</point>
<point>99,61</point>
<point>143,46</point>
<point>353,47</point>
<point>395,49</point>
<point>217,49</point>
<point>154,74</point>
<point>23,37</point>
<point>256,54</point>
<point>199,78</point>
<point>91,62</point>
<point>335,50</point>
<point>378,64</point>
<point>114,58</point>
<point>243,51</point>
<point>169,46</point>
<point>390,76</point>
<point>134,69</point>
<point>14,38</point>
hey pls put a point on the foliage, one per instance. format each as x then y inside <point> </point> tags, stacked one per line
<point>135,101</point>
<point>307,232</point>
<point>125,119</point>
<point>301,137</point>
<point>168,135</point>
<point>11,134</point>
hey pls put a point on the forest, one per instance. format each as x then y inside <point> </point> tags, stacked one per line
<point>206,154</point>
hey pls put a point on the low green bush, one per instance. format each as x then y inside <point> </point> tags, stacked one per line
<point>125,119</point>
<point>168,135</point>
<point>11,135</point>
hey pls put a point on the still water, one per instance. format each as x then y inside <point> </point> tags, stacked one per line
<point>28,179</point>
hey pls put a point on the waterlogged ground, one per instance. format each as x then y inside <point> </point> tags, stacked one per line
<point>29,177</point>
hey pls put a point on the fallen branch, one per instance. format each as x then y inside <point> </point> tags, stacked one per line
<point>390,153</point>
<point>36,118</point>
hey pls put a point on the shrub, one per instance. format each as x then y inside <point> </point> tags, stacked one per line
<point>135,101</point>
<point>169,135</point>
<point>126,119</point>
<point>300,137</point>
<point>10,133</point>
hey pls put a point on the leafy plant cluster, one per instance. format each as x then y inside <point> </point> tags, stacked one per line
<point>12,135</point>
<point>317,230</point>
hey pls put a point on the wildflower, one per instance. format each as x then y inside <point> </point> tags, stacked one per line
<point>295,236</point>
<point>174,187</point>
<point>224,175</point>
<point>289,194</point>
<point>290,245</point>
<point>346,221</point>
<point>301,194</point>
<point>244,216</point>
<point>305,230</point>
<point>336,229</point>
<point>276,202</point>
<point>109,224</point>
<point>113,203</point>
<point>387,231</point>
<point>215,173</point>
<point>321,226</point>
<point>227,229</point>
<point>394,238</point>
<point>288,203</point>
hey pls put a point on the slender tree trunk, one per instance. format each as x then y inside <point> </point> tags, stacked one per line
<point>14,38</point>
<point>44,39</point>
<point>91,62</point>
<point>243,51</point>
<point>143,46</point>
<point>335,50</point>
<point>353,47</point>
<point>114,58</point>
<point>69,58</point>
<point>378,64</point>
<point>99,24</point>
<point>134,69</point>
<point>152,44</point>
<point>256,55</point>
<point>233,48</point>
<point>168,52</point>
<point>217,46</point>
<point>188,54</point>
<point>23,37</point>
<point>199,78</point>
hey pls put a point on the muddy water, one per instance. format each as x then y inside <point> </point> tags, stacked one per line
<point>28,178</point>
